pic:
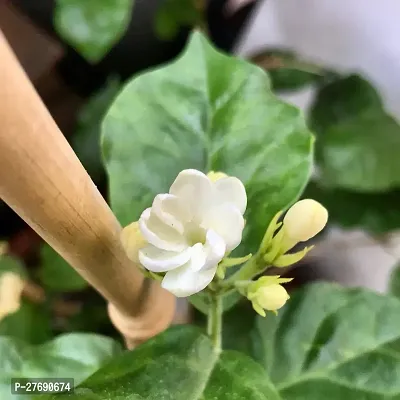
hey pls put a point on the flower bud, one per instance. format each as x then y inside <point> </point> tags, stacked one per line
<point>215,176</point>
<point>304,220</point>
<point>132,241</point>
<point>271,297</point>
<point>267,293</point>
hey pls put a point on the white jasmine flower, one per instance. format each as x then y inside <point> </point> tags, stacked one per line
<point>191,228</point>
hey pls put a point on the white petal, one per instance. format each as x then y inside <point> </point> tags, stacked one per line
<point>215,249</point>
<point>171,210</point>
<point>184,281</point>
<point>159,234</point>
<point>195,189</point>
<point>227,221</point>
<point>157,260</point>
<point>197,257</point>
<point>231,190</point>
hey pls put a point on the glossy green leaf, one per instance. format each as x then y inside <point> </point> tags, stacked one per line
<point>92,27</point>
<point>86,138</point>
<point>377,213</point>
<point>73,355</point>
<point>333,343</point>
<point>206,111</point>
<point>179,364</point>
<point>358,142</point>
<point>56,274</point>
<point>174,14</point>
<point>31,323</point>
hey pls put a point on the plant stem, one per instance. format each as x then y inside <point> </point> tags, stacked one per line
<point>214,326</point>
<point>252,268</point>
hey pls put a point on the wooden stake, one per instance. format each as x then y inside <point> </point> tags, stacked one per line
<point>43,181</point>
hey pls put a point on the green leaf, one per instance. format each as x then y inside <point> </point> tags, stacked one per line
<point>358,142</point>
<point>394,282</point>
<point>174,14</point>
<point>238,326</point>
<point>333,343</point>
<point>341,100</point>
<point>86,138</point>
<point>286,70</point>
<point>56,274</point>
<point>31,323</point>
<point>286,79</point>
<point>179,364</point>
<point>73,355</point>
<point>361,154</point>
<point>206,111</point>
<point>92,27</point>
<point>376,213</point>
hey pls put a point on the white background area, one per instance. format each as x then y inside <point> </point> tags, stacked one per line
<point>350,35</point>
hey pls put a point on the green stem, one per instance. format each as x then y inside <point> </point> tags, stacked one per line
<point>214,326</point>
<point>252,268</point>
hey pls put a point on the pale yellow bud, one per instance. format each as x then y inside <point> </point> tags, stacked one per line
<point>11,286</point>
<point>215,176</point>
<point>132,241</point>
<point>271,297</point>
<point>304,220</point>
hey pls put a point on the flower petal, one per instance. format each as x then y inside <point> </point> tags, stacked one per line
<point>228,222</point>
<point>195,189</point>
<point>171,210</point>
<point>157,260</point>
<point>159,234</point>
<point>208,255</point>
<point>184,281</point>
<point>214,248</point>
<point>198,257</point>
<point>231,190</point>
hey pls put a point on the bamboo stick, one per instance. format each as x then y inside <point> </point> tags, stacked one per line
<point>43,181</point>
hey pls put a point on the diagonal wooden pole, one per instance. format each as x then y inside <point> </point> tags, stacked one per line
<point>43,181</point>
